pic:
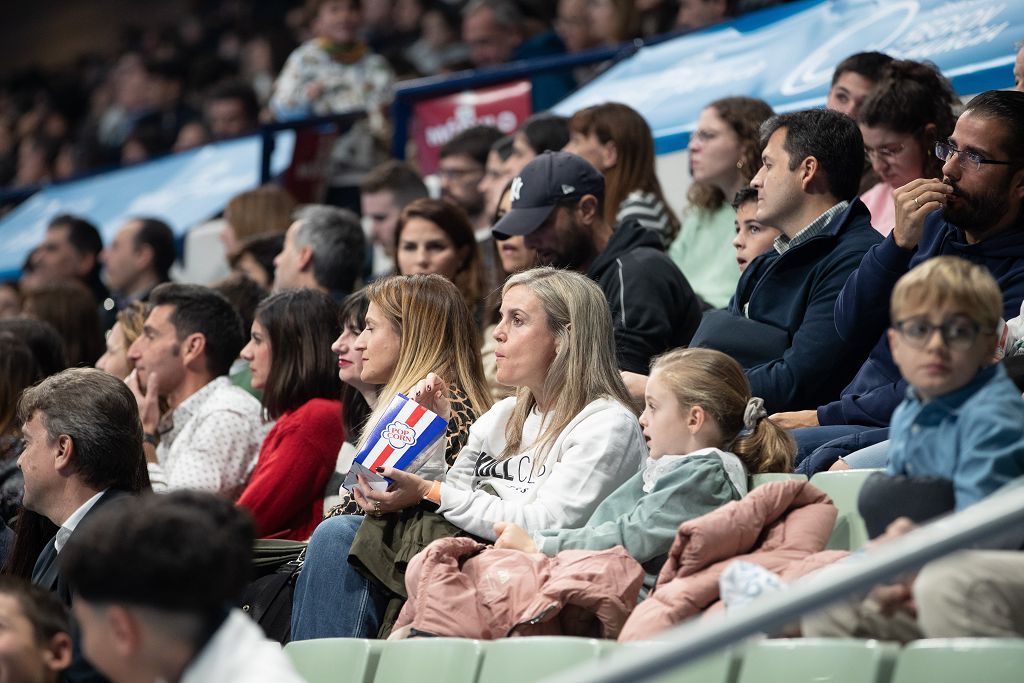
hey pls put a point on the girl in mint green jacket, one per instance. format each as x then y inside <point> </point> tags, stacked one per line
<point>705,433</point>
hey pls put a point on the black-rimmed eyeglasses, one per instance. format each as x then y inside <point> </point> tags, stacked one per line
<point>971,160</point>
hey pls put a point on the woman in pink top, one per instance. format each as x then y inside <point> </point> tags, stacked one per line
<point>909,110</point>
<point>290,361</point>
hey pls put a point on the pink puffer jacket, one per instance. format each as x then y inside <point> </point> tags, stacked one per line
<point>458,587</point>
<point>782,526</point>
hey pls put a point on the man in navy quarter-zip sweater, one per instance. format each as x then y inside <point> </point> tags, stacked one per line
<point>780,324</point>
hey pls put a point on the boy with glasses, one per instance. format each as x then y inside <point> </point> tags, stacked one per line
<point>962,419</point>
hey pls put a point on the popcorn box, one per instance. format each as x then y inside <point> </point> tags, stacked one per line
<point>402,439</point>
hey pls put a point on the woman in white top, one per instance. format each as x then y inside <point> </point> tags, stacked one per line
<point>542,459</point>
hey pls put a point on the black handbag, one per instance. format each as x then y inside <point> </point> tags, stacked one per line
<point>884,498</point>
<point>268,599</point>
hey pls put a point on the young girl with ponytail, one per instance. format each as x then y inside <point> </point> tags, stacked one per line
<point>705,434</point>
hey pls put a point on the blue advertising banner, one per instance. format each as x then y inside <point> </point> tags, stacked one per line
<point>181,189</point>
<point>786,56</point>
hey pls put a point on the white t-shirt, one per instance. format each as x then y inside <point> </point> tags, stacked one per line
<point>600,449</point>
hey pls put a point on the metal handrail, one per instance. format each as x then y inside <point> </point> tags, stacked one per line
<point>697,638</point>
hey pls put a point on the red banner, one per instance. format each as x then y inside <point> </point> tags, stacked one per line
<point>437,121</point>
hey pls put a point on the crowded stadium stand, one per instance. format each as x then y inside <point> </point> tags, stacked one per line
<point>503,341</point>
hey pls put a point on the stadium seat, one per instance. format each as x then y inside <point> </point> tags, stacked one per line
<point>525,660</point>
<point>716,668</point>
<point>818,660</point>
<point>843,487</point>
<point>952,660</point>
<point>758,479</point>
<point>331,660</point>
<point>452,660</point>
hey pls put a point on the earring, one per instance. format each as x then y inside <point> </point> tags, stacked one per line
<point>739,164</point>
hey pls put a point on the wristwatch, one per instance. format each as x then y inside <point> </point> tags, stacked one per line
<point>151,439</point>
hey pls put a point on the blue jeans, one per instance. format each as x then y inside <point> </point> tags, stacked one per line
<point>827,454</point>
<point>332,599</point>
<point>872,457</point>
<point>810,439</point>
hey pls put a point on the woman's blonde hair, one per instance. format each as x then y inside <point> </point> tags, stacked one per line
<point>437,333</point>
<point>715,382</point>
<point>584,368</point>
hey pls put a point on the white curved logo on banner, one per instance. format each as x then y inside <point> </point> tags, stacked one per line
<point>817,68</point>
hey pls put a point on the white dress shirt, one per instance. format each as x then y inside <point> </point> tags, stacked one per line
<point>68,527</point>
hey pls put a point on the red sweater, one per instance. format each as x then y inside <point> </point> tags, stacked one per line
<point>285,493</point>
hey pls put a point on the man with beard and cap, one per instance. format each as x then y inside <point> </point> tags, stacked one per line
<point>556,204</point>
<point>974,212</point>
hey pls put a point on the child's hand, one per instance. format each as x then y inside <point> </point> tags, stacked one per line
<point>513,537</point>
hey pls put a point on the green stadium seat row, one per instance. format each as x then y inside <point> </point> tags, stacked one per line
<point>528,660</point>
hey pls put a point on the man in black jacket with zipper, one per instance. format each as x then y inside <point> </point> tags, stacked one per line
<point>557,204</point>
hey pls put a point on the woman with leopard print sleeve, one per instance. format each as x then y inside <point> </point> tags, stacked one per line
<point>544,458</point>
<point>398,343</point>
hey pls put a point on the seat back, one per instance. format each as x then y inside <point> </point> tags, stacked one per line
<point>758,479</point>
<point>721,667</point>
<point>525,660</point>
<point>329,660</point>
<point>843,487</point>
<point>949,660</point>
<point>453,660</point>
<point>817,660</point>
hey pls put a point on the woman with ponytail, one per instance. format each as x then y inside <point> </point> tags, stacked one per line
<point>909,110</point>
<point>705,434</point>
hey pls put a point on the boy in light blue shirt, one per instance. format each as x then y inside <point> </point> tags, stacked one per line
<point>963,418</point>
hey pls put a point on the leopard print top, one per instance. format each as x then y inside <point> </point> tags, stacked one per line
<point>457,434</point>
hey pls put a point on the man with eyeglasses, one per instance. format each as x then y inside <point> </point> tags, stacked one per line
<point>974,212</point>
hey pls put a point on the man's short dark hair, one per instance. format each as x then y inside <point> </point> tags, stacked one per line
<point>830,137</point>
<point>545,132</point>
<point>101,416</point>
<point>243,293</point>
<point>82,234</point>
<point>44,340</point>
<point>866,64</point>
<point>47,614</point>
<point>474,143</point>
<point>745,194</point>
<point>503,147</point>
<point>241,91</point>
<point>184,552</point>
<point>338,243</point>
<point>200,309</point>
<point>159,237</point>
<point>398,178</point>
<point>1006,106</point>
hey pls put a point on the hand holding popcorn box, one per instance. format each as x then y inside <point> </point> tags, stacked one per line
<point>406,437</point>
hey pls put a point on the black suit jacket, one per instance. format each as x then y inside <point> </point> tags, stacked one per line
<point>47,574</point>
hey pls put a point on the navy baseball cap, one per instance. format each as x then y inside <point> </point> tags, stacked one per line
<point>551,179</point>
